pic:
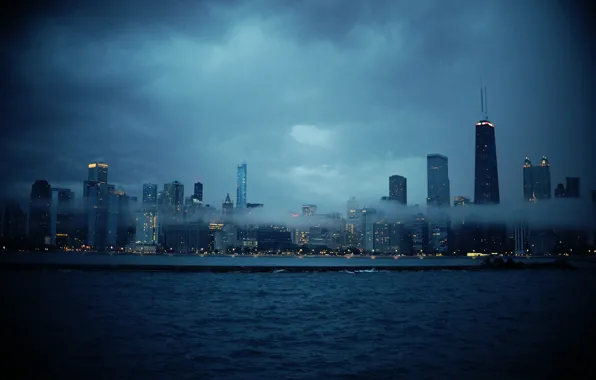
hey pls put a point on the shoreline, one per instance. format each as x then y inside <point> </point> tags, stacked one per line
<point>262,263</point>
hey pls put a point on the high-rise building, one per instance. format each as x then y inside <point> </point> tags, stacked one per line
<point>98,172</point>
<point>352,208</point>
<point>486,178</point>
<point>368,218</point>
<point>398,189</point>
<point>241,175</point>
<point>40,213</point>
<point>97,201</point>
<point>147,227</point>
<point>352,225</point>
<point>198,193</point>
<point>537,182</point>
<point>227,206</point>
<point>62,207</point>
<point>149,195</point>
<point>173,194</point>
<point>528,181</point>
<point>572,190</point>
<point>13,220</point>
<point>438,181</point>
<point>486,173</point>
<point>560,191</point>
<point>541,180</point>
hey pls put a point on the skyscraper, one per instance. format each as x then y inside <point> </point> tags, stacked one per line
<point>486,175</point>
<point>173,194</point>
<point>438,181</point>
<point>352,208</point>
<point>39,213</point>
<point>398,189</point>
<point>198,194</point>
<point>541,180</point>
<point>241,186</point>
<point>62,205</point>
<point>572,190</point>
<point>537,183</point>
<point>528,181</point>
<point>149,195</point>
<point>227,206</point>
<point>98,172</point>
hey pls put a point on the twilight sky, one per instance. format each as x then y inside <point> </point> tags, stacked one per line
<point>323,99</point>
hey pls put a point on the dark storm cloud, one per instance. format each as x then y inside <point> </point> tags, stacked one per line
<point>323,99</point>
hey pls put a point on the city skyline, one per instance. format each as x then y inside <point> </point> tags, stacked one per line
<point>165,119</point>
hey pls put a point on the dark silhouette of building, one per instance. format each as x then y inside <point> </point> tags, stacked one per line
<point>528,185</point>
<point>486,178</point>
<point>398,189</point>
<point>537,181</point>
<point>560,191</point>
<point>40,213</point>
<point>572,190</point>
<point>227,206</point>
<point>13,221</point>
<point>198,193</point>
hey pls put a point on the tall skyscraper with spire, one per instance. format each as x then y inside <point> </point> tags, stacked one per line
<point>241,187</point>
<point>486,174</point>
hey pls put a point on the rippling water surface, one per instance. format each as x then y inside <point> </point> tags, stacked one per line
<point>407,325</point>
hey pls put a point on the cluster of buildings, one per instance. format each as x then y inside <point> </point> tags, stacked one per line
<point>165,220</point>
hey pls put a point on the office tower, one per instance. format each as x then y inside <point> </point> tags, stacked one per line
<point>97,202</point>
<point>537,182</point>
<point>62,207</point>
<point>419,230</point>
<point>398,189</point>
<point>40,213</point>
<point>438,181</point>
<point>149,195</point>
<point>241,187</point>
<point>227,206</point>
<point>13,223</point>
<point>147,227</point>
<point>528,181</point>
<point>460,200</point>
<point>572,189</point>
<point>173,198</point>
<point>98,172</point>
<point>486,174</point>
<point>541,180</point>
<point>352,214</point>
<point>309,210</point>
<point>198,193</point>
<point>486,178</point>
<point>368,218</point>
<point>352,207</point>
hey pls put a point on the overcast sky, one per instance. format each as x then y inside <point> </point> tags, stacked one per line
<point>323,99</point>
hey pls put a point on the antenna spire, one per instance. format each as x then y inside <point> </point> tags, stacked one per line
<point>485,103</point>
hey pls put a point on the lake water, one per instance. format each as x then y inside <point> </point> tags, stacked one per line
<point>332,325</point>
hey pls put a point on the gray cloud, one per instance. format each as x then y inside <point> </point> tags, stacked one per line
<point>188,91</point>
